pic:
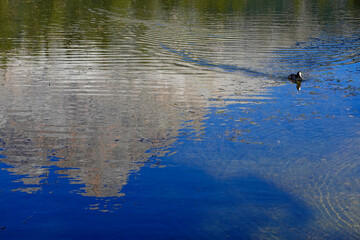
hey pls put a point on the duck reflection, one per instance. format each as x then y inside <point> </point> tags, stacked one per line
<point>298,84</point>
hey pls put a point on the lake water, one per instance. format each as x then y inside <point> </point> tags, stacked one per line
<point>175,119</point>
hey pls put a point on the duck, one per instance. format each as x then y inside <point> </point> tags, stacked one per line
<point>295,77</point>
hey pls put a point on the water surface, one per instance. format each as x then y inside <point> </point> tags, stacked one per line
<point>175,120</point>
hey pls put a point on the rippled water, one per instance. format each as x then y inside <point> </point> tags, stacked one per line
<point>175,119</point>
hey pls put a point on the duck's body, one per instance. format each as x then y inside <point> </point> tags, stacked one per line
<point>295,77</point>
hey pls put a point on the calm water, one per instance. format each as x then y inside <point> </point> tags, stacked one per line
<point>175,120</point>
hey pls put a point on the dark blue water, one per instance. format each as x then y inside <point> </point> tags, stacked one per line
<point>148,122</point>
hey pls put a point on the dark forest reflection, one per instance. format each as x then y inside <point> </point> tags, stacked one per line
<point>99,89</point>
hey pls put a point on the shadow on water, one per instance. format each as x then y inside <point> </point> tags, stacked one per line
<point>237,208</point>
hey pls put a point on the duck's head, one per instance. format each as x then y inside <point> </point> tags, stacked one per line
<point>299,74</point>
